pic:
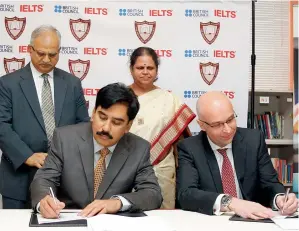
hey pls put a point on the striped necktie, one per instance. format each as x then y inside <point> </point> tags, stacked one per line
<point>48,108</point>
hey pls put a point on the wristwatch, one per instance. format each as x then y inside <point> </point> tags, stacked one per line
<point>225,201</point>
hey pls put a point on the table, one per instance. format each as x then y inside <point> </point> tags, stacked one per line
<point>16,220</point>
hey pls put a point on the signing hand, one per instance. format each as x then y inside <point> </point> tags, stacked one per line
<point>290,206</point>
<point>36,160</point>
<point>49,209</point>
<point>101,206</point>
<point>248,209</point>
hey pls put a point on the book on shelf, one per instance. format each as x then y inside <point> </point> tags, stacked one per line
<point>270,123</point>
<point>284,170</point>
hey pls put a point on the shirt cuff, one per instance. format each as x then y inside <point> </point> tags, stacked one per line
<point>274,205</point>
<point>37,207</point>
<point>217,205</point>
<point>126,205</point>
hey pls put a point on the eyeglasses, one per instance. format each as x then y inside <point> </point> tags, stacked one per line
<point>217,125</point>
<point>42,54</point>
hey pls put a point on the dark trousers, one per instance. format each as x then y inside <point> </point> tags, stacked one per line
<point>10,203</point>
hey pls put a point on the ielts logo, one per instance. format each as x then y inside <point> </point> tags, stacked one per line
<point>95,51</point>
<point>164,53</point>
<point>224,54</point>
<point>91,91</point>
<point>229,94</point>
<point>24,49</point>
<point>98,11</point>
<point>160,13</point>
<point>31,8</point>
<point>225,13</point>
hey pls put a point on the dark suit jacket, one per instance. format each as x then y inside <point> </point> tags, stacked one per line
<point>198,176</point>
<point>69,170</point>
<point>22,129</point>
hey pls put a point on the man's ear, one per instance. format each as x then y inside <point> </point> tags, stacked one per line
<point>93,114</point>
<point>201,125</point>
<point>129,125</point>
<point>30,49</point>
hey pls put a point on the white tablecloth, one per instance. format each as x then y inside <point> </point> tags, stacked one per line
<point>18,220</point>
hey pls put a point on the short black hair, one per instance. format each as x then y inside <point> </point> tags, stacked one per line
<point>118,93</point>
<point>141,51</point>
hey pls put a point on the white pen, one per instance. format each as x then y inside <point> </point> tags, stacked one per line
<point>54,198</point>
<point>285,199</point>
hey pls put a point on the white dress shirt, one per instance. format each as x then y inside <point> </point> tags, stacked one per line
<point>219,158</point>
<point>38,81</point>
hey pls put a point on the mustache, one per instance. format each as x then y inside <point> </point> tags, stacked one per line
<point>103,133</point>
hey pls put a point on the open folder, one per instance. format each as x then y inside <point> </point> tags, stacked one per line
<point>74,223</point>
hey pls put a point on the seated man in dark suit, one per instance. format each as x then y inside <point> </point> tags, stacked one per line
<point>227,168</point>
<point>76,165</point>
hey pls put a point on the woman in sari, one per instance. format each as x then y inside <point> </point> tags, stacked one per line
<point>162,120</point>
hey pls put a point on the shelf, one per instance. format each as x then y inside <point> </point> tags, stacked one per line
<point>272,91</point>
<point>288,184</point>
<point>279,141</point>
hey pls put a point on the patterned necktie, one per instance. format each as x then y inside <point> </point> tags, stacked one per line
<point>100,169</point>
<point>228,179</point>
<point>48,108</point>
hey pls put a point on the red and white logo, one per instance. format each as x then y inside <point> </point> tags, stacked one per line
<point>209,31</point>
<point>209,71</point>
<point>79,68</point>
<point>145,30</point>
<point>11,65</point>
<point>225,13</point>
<point>164,53</point>
<point>80,28</point>
<point>95,51</point>
<point>99,11</point>
<point>31,8</point>
<point>15,26</point>
<point>160,13</point>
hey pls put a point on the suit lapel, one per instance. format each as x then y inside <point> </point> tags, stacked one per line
<point>239,153</point>
<point>212,162</point>
<point>29,90</point>
<point>60,88</point>
<point>86,149</point>
<point>119,157</point>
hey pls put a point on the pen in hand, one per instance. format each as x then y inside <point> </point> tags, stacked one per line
<point>285,200</point>
<point>53,196</point>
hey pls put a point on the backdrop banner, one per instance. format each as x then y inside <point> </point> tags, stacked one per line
<point>202,46</point>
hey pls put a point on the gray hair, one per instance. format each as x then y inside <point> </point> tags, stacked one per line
<point>44,28</point>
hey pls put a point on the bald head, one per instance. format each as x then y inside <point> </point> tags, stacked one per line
<point>211,104</point>
<point>216,117</point>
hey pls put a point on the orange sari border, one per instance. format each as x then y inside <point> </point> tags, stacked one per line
<point>172,131</point>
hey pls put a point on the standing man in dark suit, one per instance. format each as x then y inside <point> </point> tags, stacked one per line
<point>228,168</point>
<point>33,101</point>
<point>98,166</point>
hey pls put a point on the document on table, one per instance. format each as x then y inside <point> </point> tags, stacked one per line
<point>286,223</point>
<point>106,222</point>
<point>64,216</point>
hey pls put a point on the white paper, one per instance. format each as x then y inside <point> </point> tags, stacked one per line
<point>106,222</point>
<point>287,224</point>
<point>64,216</point>
<point>278,215</point>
